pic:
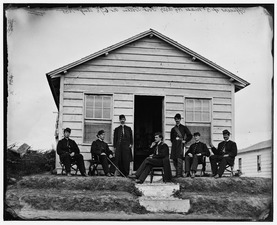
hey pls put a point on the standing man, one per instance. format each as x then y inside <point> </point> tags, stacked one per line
<point>159,158</point>
<point>224,155</point>
<point>123,141</point>
<point>179,136</point>
<point>195,155</point>
<point>69,152</point>
<point>102,150</point>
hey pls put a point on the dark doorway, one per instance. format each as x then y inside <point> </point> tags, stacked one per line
<point>148,120</point>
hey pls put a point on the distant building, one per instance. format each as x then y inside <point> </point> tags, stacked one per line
<point>256,160</point>
<point>149,78</point>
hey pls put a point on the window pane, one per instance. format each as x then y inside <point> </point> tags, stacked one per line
<point>89,106</point>
<point>98,101</point>
<point>197,105</point>
<point>106,113</point>
<point>197,116</point>
<point>206,106</point>
<point>189,116</point>
<point>98,113</point>
<point>91,129</point>
<point>189,104</point>
<point>206,116</point>
<point>107,102</point>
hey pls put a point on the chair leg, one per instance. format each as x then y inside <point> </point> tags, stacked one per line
<point>232,171</point>
<point>163,175</point>
<point>151,176</point>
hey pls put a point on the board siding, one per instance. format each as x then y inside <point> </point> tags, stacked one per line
<point>146,67</point>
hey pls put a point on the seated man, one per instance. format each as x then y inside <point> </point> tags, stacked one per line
<point>224,155</point>
<point>159,158</point>
<point>194,155</point>
<point>69,152</point>
<point>102,150</point>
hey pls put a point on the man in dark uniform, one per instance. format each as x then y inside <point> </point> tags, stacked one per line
<point>179,135</point>
<point>123,140</point>
<point>102,150</point>
<point>69,152</point>
<point>224,155</point>
<point>159,158</point>
<point>195,155</point>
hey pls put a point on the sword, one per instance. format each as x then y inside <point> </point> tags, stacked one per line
<point>116,167</point>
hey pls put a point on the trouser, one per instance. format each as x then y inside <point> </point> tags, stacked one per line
<point>105,164</point>
<point>146,167</point>
<point>191,163</point>
<point>122,159</point>
<point>66,159</point>
<point>178,164</point>
<point>222,161</point>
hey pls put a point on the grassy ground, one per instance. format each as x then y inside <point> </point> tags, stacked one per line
<point>32,192</point>
<point>211,199</point>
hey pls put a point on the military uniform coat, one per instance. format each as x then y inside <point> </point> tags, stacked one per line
<point>177,149</point>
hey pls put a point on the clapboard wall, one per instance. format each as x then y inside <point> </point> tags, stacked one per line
<point>249,163</point>
<point>148,66</point>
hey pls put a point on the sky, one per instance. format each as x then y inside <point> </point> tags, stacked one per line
<point>41,40</point>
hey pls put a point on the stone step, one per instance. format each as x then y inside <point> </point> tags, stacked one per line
<point>158,189</point>
<point>169,204</point>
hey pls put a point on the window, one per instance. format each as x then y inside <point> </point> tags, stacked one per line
<point>198,117</point>
<point>198,110</point>
<point>259,166</point>
<point>98,114</point>
<point>240,164</point>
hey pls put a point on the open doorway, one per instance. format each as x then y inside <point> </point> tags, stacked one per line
<point>148,120</point>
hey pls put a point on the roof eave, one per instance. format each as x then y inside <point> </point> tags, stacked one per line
<point>241,83</point>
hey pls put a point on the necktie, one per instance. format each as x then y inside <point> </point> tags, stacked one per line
<point>157,150</point>
<point>223,147</point>
<point>194,150</point>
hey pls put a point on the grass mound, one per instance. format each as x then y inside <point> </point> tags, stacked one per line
<point>79,183</point>
<point>76,200</point>
<point>248,185</point>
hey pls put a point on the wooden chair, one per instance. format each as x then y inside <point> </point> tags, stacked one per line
<point>230,169</point>
<point>73,167</point>
<point>203,169</point>
<point>94,162</point>
<point>156,169</point>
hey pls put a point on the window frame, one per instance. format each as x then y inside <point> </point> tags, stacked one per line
<point>97,120</point>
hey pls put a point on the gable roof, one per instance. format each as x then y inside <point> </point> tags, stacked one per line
<point>239,82</point>
<point>258,146</point>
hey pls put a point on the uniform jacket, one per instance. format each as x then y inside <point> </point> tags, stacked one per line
<point>177,148</point>
<point>230,149</point>
<point>161,152</point>
<point>98,147</point>
<point>67,146</point>
<point>127,138</point>
<point>197,148</point>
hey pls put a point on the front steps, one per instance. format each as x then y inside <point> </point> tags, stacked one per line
<point>158,197</point>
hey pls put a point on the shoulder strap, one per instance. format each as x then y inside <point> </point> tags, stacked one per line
<point>178,132</point>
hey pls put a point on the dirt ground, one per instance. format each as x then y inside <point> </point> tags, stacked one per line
<point>49,197</point>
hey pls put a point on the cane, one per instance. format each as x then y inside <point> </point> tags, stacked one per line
<point>116,167</point>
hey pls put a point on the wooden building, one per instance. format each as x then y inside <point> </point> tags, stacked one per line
<point>256,160</point>
<point>149,78</point>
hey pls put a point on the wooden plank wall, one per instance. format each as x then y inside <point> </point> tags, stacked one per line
<point>249,163</point>
<point>146,67</point>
